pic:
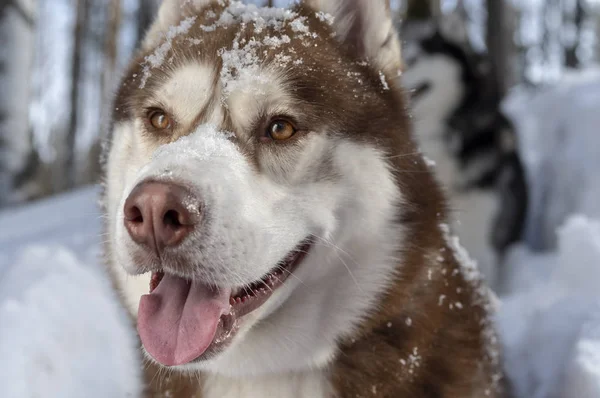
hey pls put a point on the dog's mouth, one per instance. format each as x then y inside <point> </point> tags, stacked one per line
<point>181,320</point>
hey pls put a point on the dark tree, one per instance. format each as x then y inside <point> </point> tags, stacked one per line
<point>499,44</point>
<point>78,34</point>
<point>419,10</point>
<point>572,46</point>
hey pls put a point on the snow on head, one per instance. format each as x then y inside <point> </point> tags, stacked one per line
<point>157,58</point>
<point>204,143</point>
<point>241,67</point>
<point>260,17</point>
<point>242,58</point>
<point>325,17</point>
<point>179,159</point>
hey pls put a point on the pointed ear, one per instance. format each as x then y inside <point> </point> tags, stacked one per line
<point>366,26</point>
<point>169,14</point>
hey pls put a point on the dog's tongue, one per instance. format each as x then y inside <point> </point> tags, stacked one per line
<point>177,322</point>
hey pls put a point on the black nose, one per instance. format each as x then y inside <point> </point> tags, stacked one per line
<point>161,214</point>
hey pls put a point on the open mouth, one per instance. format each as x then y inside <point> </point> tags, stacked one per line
<point>181,320</point>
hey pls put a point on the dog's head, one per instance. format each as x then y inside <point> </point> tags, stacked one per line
<point>255,171</point>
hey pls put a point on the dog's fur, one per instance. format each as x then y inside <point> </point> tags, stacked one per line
<point>381,306</point>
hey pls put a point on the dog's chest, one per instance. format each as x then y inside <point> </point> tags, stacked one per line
<point>304,385</point>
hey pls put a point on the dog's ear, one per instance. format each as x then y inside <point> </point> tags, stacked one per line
<point>366,26</point>
<point>169,14</point>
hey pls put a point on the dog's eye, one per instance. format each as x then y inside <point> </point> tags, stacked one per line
<point>280,130</point>
<point>159,120</point>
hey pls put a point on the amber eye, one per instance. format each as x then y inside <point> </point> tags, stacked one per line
<point>280,130</point>
<point>159,120</point>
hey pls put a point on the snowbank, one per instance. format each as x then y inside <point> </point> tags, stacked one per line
<point>550,320</point>
<point>559,144</point>
<point>62,333</point>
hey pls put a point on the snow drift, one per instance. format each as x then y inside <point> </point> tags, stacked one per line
<point>62,333</point>
<point>549,322</point>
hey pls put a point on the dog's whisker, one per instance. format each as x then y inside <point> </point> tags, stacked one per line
<point>403,155</point>
<point>336,251</point>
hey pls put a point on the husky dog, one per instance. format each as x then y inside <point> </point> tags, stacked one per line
<point>460,126</point>
<point>271,225</point>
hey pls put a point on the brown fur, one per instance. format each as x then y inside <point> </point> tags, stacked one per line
<point>420,311</point>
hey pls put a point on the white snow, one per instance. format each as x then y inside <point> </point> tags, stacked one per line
<point>62,333</point>
<point>550,318</point>
<point>157,58</point>
<point>559,144</point>
<point>549,321</point>
<point>241,63</point>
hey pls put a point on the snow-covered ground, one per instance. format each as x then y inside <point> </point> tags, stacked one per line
<point>559,143</point>
<point>549,321</point>
<point>550,318</point>
<point>62,333</point>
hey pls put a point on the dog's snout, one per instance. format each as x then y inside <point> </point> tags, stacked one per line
<point>160,214</point>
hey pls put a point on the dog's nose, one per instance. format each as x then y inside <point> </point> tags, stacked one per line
<point>160,214</point>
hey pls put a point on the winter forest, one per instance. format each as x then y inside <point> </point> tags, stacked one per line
<point>504,98</point>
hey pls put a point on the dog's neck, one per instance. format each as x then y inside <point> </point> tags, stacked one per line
<point>309,384</point>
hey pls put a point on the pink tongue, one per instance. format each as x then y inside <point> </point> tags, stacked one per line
<point>177,322</point>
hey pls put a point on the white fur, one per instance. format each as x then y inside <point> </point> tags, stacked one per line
<point>255,93</point>
<point>187,91</point>
<point>304,385</point>
<point>431,110</point>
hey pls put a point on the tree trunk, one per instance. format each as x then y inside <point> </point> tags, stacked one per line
<point>109,77</point>
<point>110,50</point>
<point>500,45</point>
<point>572,47</point>
<point>17,39</point>
<point>436,8</point>
<point>418,10</point>
<point>70,153</point>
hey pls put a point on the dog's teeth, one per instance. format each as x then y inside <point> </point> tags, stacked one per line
<point>231,301</point>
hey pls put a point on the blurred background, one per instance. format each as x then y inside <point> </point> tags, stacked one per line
<point>505,101</point>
